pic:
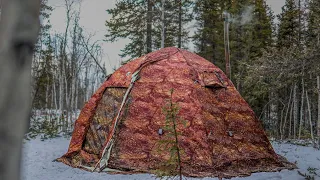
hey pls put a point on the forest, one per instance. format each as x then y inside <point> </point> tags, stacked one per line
<point>274,59</point>
<point>271,59</point>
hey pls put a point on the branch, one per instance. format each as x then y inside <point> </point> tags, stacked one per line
<point>92,56</point>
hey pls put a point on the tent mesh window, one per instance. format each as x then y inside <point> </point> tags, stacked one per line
<point>101,122</point>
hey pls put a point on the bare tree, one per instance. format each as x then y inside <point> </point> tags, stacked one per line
<point>318,120</point>
<point>19,28</point>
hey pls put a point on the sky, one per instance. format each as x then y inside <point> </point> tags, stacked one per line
<point>92,18</point>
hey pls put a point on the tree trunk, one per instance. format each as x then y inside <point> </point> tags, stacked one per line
<point>318,124</point>
<point>18,34</point>
<point>86,85</point>
<point>77,95</point>
<point>295,110</point>
<point>163,23</point>
<point>149,26</point>
<point>55,94</point>
<point>274,116</point>
<point>180,24</point>
<point>290,121</point>
<point>47,93</point>
<point>309,115</point>
<point>227,45</point>
<point>61,87</point>
<point>287,111</point>
<point>301,108</point>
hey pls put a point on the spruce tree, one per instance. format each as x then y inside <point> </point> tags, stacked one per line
<point>313,32</point>
<point>129,20</point>
<point>255,92</point>
<point>208,38</point>
<point>288,30</point>
<point>42,59</point>
<point>250,32</point>
<point>140,22</point>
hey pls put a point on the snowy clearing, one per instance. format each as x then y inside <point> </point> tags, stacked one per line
<point>38,156</point>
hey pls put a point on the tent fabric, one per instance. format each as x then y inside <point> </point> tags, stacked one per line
<point>222,136</point>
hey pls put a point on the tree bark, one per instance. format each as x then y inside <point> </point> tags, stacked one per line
<point>290,121</point>
<point>295,110</point>
<point>287,111</point>
<point>149,26</point>
<point>163,23</point>
<point>309,115</point>
<point>19,27</point>
<point>180,24</point>
<point>318,124</point>
<point>302,103</point>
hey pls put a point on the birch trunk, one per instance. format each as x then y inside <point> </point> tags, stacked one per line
<point>180,24</point>
<point>163,23</point>
<point>290,121</point>
<point>274,113</point>
<point>149,26</point>
<point>55,94</point>
<point>47,95</point>
<point>295,110</point>
<point>310,117</point>
<point>61,87</point>
<point>286,116</point>
<point>86,85</point>
<point>318,123</point>
<point>301,108</point>
<point>77,95</point>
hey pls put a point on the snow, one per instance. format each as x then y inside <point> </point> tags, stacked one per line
<point>38,156</point>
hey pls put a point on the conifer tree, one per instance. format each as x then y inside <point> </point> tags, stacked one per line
<point>140,22</point>
<point>250,31</point>
<point>313,33</point>
<point>42,60</point>
<point>262,38</point>
<point>208,38</point>
<point>129,20</point>
<point>288,30</point>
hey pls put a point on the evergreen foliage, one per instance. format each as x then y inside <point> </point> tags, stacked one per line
<point>251,31</point>
<point>288,32</point>
<point>140,22</point>
<point>274,66</point>
<point>169,141</point>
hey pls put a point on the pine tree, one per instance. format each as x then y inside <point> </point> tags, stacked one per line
<point>255,92</point>
<point>42,60</point>
<point>313,43</point>
<point>45,26</point>
<point>169,141</point>
<point>288,30</point>
<point>140,22</point>
<point>177,16</point>
<point>250,32</point>
<point>129,21</point>
<point>313,33</point>
<point>262,28</point>
<point>208,38</point>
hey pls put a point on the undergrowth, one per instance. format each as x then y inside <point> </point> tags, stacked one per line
<point>169,142</point>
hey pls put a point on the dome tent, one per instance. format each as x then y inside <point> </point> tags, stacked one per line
<point>119,127</point>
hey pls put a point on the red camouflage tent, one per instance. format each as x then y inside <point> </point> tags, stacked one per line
<point>118,129</point>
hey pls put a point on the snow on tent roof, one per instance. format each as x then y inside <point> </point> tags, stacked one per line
<point>118,128</point>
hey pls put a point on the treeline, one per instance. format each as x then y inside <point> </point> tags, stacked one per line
<point>66,67</point>
<point>274,66</point>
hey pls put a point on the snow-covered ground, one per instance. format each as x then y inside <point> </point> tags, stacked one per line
<point>38,156</point>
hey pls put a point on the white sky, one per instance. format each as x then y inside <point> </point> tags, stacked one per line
<point>92,19</point>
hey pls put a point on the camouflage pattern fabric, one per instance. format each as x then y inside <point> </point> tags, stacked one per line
<point>222,136</point>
